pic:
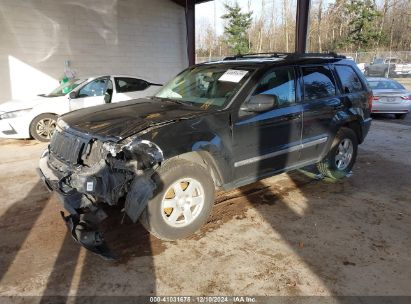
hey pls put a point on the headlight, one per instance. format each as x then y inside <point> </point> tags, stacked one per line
<point>14,114</point>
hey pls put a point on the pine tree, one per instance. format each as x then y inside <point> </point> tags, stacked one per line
<point>236,28</point>
<point>362,27</point>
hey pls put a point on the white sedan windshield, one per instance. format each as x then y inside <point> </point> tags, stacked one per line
<point>66,88</point>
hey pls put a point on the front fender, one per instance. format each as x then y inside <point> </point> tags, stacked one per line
<point>207,136</point>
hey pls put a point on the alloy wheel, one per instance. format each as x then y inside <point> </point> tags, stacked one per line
<point>45,128</point>
<point>182,203</point>
<point>344,154</point>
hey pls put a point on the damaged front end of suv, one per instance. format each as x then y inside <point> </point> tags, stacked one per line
<point>86,171</point>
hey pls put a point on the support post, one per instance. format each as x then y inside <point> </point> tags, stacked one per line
<point>301,26</point>
<point>190,25</point>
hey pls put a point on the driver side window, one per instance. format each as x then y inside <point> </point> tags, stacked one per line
<point>279,83</point>
<point>95,88</point>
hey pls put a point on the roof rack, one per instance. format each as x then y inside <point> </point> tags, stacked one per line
<point>257,55</point>
<point>285,55</point>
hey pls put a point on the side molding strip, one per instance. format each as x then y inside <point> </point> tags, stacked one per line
<point>279,152</point>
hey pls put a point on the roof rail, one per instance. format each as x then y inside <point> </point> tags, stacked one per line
<point>285,55</point>
<point>316,55</point>
<point>258,55</point>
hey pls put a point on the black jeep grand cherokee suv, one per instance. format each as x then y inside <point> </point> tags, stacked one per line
<point>216,125</point>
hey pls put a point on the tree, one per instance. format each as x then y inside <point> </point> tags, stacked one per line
<point>363,27</point>
<point>236,29</point>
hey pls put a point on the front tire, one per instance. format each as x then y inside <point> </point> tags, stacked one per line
<point>182,201</point>
<point>43,126</point>
<point>342,155</point>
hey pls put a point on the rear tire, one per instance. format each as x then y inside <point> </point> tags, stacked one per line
<point>182,201</point>
<point>400,116</point>
<point>342,155</point>
<point>43,126</point>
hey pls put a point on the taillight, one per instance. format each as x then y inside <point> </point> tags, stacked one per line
<point>375,98</point>
<point>406,97</point>
<point>370,99</point>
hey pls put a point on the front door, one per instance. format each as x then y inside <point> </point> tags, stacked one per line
<point>92,94</point>
<point>266,142</point>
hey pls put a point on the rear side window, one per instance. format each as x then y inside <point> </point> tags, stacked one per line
<point>349,79</point>
<point>127,84</point>
<point>318,82</point>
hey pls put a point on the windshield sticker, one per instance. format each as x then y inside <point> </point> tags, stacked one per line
<point>233,75</point>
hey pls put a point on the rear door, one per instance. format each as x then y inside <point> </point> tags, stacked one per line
<point>320,103</point>
<point>269,141</point>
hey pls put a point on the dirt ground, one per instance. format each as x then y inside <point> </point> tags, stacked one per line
<point>286,235</point>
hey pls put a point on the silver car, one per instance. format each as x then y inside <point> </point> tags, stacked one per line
<point>389,97</point>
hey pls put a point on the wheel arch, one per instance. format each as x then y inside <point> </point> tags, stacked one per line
<point>207,161</point>
<point>34,118</point>
<point>354,125</point>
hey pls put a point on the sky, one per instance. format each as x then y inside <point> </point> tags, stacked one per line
<point>205,11</point>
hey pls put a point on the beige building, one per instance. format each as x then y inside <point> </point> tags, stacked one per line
<point>38,38</point>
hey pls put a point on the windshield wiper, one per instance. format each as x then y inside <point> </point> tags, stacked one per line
<point>171,100</point>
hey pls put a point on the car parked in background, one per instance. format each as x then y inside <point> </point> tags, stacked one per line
<point>37,117</point>
<point>390,97</point>
<point>402,70</point>
<point>382,67</point>
<point>217,125</point>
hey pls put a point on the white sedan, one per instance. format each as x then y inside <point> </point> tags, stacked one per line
<point>37,117</point>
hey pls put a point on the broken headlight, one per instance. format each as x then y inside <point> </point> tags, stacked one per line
<point>112,148</point>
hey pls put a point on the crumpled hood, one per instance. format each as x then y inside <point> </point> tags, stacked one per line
<point>121,120</point>
<point>15,105</point>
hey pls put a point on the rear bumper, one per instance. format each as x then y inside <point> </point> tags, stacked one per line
<point>386,107</point>
<point>402,73</point>
<point>365,128</point>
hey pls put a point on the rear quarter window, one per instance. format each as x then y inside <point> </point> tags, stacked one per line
<point>318,82</point>
<point>349,79</point>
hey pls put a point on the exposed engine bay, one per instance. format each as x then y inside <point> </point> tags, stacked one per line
<point>87,172</point>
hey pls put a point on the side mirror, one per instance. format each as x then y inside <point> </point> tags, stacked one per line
<point>73,95</point>
<point>260,103</point>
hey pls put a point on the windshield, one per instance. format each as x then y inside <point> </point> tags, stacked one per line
<point>66,88</point>
<point>385,84</point>
<point>205,86</point>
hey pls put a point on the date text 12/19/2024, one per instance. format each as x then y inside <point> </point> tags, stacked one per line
<point>203,299</point>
